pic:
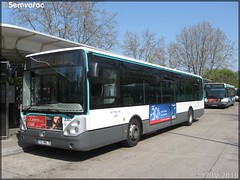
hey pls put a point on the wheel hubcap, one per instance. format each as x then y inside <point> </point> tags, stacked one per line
<point>133,132</point>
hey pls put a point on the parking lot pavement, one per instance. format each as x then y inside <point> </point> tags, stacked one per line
<point>207,149</point>
<point>12,145</point>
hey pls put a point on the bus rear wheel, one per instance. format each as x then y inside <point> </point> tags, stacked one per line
<point>134,133</point>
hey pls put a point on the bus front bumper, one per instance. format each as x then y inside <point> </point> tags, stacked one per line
<point>55,139</point>
<point>215,104</point>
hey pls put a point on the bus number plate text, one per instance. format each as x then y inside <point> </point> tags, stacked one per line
<point>44,142</point>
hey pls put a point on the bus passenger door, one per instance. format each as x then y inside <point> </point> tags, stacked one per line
<point>105,117</point>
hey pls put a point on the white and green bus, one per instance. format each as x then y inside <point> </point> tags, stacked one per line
<point>83,98</point>
<point>219,95</point>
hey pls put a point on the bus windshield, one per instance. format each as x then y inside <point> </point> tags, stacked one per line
<point>215,93</point>
<point>54,83</point>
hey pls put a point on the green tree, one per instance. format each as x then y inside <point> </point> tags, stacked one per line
<point>222,76</point>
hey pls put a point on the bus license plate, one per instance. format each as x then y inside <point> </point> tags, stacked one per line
<point>44,142</point>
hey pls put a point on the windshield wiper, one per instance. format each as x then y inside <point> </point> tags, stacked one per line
<point>52,110</point>
<point>56,107</point>
<point>28,107</point>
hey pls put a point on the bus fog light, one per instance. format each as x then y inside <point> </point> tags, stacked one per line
<point>71,145</point>
<point>67,132</point>
<point>76,129</point>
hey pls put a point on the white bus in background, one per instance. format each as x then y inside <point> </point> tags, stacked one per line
<point>82,98</point>
<point>237,97</point>
<point>219,95</point>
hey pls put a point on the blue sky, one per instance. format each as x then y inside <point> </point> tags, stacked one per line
<point>169,18</point>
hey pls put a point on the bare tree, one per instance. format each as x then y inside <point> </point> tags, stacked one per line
<point>145,47</point>
<point>131,45</point>
<point>79,21</point>
<point>200,48</point>
<point>172,55</point>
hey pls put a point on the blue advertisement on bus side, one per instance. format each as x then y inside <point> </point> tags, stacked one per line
<point>162,112</point>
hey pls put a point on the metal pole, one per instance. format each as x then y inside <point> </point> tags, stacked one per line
<point>4,112</point>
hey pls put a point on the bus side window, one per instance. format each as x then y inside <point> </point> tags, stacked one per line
<point>196,91</point>
<point>180,91</point>
<point>168,89</point>
<point>189,90</point>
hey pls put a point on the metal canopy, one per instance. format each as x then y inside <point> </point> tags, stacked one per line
<point>17,42</point>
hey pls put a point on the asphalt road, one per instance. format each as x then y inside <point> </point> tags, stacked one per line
<point>207,149</point>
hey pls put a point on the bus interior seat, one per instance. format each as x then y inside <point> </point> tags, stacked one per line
<point>127,100</point>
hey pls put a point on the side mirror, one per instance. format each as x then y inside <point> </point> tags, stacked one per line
<point>93,70</point>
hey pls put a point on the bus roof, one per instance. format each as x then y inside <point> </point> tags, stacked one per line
<point>115,56</point>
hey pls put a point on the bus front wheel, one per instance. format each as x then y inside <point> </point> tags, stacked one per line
<point>190,117</point>
<point>134,133</point>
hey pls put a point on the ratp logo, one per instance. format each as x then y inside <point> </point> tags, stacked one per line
<point>15,5</point>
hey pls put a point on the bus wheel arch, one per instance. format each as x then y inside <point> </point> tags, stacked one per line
<point>134,132</point>
<point>190,116</point>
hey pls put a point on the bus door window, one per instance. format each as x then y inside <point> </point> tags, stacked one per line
<point>109,86</point>
<point>104,88</point>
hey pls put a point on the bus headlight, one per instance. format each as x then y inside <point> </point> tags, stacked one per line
<point>224,100</point>
<point>76,127</point>
<point>23,122</point>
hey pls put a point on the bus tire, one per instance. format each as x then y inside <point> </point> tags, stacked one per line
<point>190,117</point>
<point>133,133</point>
